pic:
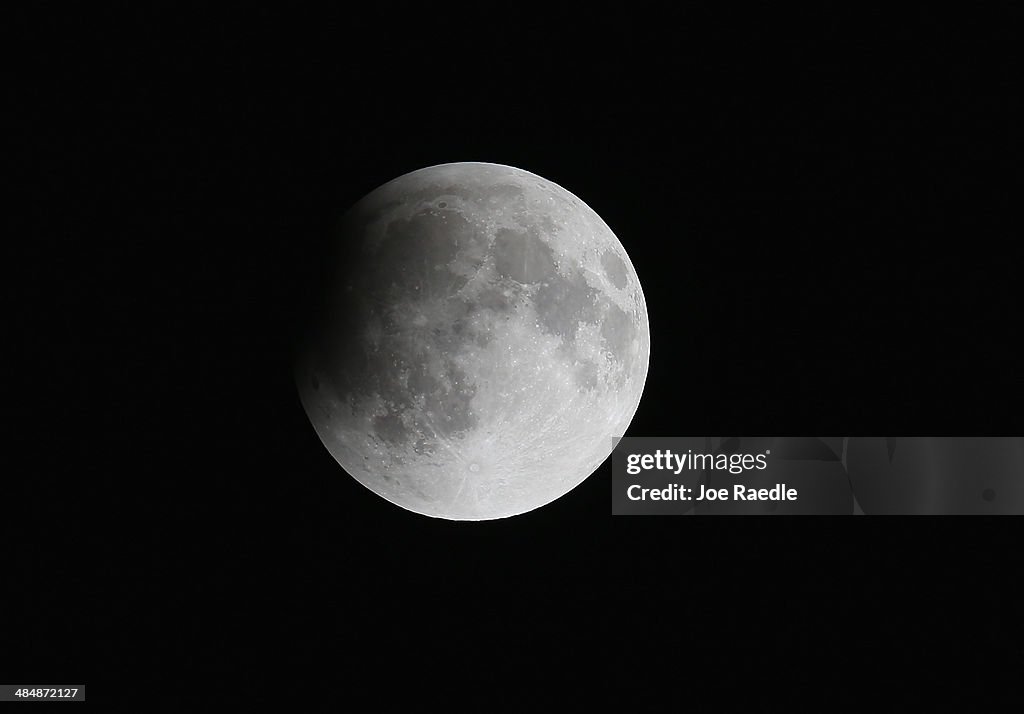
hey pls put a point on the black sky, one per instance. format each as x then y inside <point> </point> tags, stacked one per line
<point>816,204</point>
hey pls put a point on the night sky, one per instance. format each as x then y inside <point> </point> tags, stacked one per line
<point>817,208</point>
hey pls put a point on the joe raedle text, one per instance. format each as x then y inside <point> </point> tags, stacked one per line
<point>677,475</point>
<point>739,492</point>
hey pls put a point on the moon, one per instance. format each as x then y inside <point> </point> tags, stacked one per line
<point>482,338</point>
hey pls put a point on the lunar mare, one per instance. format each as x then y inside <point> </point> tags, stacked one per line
<point>484,339</point>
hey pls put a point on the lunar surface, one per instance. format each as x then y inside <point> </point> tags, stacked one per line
<point>484,339</point>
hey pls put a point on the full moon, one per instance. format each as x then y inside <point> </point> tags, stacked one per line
<point>482,338</point>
